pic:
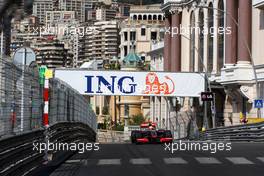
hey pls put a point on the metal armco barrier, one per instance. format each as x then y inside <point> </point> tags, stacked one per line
<point>17,156</point>
<point>239,133</point>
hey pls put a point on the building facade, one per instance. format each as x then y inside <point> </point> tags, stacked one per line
<point>52,54</point>
<point>40,7</point>
<point>105,14</point>
<point>102,41</point>
<point>78,6</point>
<point>122,108</point>
<point>222,39</point>
<point>141,30</point>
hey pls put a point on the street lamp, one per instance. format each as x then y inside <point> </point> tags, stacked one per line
<point>203,5</point>
<point>207,83</point>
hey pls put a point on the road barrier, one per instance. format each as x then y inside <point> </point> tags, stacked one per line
<point>21,99</point>
<point>238,133</point>
<point>17,154</point>
<point>71,119</point>
<point>109,136</point>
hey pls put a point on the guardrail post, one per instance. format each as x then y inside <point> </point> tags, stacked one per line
<point>48,74</point>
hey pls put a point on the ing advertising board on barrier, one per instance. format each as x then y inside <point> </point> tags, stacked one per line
<point>131,83</point>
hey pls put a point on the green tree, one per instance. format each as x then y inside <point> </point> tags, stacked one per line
<point>105,110</point>
<point>137,119</point>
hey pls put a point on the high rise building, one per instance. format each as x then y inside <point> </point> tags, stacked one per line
<point>40,7</point>
<point>78,6</point>
<point>24,32</point>
<point>53,18</point>
<point>102,41</point>
<point>105,14</point>
<point>52,53</point>
<point>89,6</point>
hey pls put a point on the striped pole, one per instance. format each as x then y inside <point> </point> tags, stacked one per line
<point>46,103</point>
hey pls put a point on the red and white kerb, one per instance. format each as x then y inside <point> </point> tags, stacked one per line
<point>46,103</point>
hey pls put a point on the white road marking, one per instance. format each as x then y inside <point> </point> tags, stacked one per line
<point>207,160</point>
<point>73,161</point>
<point>109,162</point>
<point>174,161</point>
<point>261,159</point>
<point>239,160</point>
<point>139,161</point>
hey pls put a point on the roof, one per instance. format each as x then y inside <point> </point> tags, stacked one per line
<point>132,57</point>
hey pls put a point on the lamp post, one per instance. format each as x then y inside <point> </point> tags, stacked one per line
<point>202,5</point>
<point>207,83</point>
<point>2,38</point>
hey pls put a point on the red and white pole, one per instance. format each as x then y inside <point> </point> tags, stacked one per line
<point>46,103</point>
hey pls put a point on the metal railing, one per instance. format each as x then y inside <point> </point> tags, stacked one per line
<point>20,98</point>
<point>238,133</point>
<point>17,156</point>
<point>66,104</point>
<point>21,101</point>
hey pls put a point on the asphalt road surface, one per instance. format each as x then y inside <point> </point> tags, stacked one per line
<point>245,159</point>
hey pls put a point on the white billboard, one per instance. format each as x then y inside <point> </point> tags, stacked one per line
<point>133,83</point>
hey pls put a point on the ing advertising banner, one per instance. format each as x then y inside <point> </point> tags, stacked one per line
<point>127,83</point>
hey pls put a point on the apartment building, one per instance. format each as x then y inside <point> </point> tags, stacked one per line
<point>24,32</point>
<point>102,41</point>
<point>105,14</point>
<point>141,30</point>
<point>52,18</point>
<point>78,6</point>
<point>40,7</point>
<point>52,53</point>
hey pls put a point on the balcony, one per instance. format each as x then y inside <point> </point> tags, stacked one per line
<point>238,74</point>
<point>157,45</point>
<point>172,1</point>
<point>168,4</point>
<point>258,4</point>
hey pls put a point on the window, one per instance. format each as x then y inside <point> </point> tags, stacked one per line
<point>201,42</point>
<point>125,51</point>
<point>192,48</point>
<point>125,36</point>
<point>132,36</point>
<point>143,31</point>
<point>211,38</point>
<point>126,11</point>
<point>126,109</point>
<point>153,35</point>
<point>220,58</point>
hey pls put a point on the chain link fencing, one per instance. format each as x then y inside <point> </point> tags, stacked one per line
<point>21,101</point>
<point>68,105</point>
<point>21,98</point>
